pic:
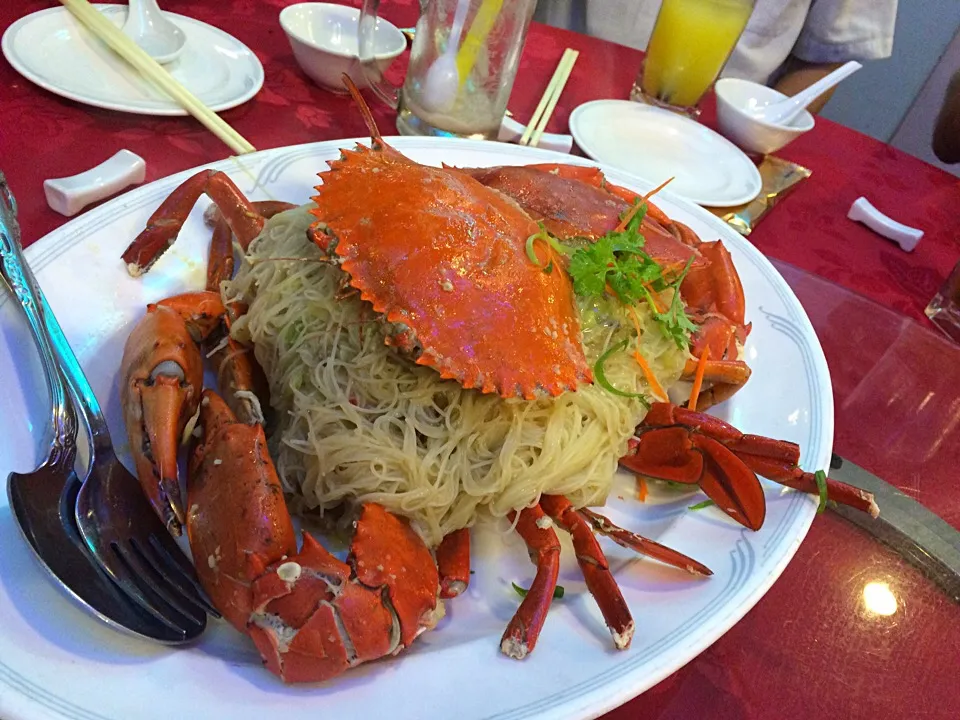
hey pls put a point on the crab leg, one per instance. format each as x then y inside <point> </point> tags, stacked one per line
<point>165,223</point>
<point>735,372</point>
<point>718,281</point>
<point>595,568</point>
<point>453,562</point>
<point>220,264</point>
<point>670,437</point>
<point>722,379</point>
<point>240,378</point>
<point>310,615</point>
<point>594,176</point>
<point>642,545</point>
<point>795,478</point>
<point>522,632</point>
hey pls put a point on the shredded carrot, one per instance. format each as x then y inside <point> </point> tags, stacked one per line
<point>673,267</point>
<point>641,488</point>
<point>641,361</point>
<point>658,188</point>
<point>698,379</point>
<point>651,378</point>
<point>633,211</point>
<point>628,217</point>
<point>636,323</point>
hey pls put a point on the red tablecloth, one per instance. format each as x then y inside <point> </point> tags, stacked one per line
<point>795,654</point>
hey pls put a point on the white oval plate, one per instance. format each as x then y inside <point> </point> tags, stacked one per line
<point>54,50</point>
<point>656,144</point>
<point>56,661</point>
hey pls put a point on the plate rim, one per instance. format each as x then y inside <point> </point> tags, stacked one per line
<point>609,695</point>
<point>16,62</point>
<point>757,180</point>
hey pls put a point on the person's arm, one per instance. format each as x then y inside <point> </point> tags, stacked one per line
<point>835,31</point>
<point>799,75</point>
<point>946,133</point>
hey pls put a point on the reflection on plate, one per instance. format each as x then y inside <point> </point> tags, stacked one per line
<point>52,49</point>
<point>56,661</point>
<point>656,144</point>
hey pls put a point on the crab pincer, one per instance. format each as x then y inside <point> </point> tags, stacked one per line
<point>311,616</point>
<point>160,386</point>
<point>680,445</point>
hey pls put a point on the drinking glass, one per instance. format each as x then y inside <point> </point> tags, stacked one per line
<point>691,42</point>
<point>944,308</point>
<point>487,58</point>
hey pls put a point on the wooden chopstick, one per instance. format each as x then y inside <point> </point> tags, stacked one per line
<point>545,98</point>
<point>541,116</point>
<point>155,73</point>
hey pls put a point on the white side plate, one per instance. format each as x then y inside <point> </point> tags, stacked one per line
<point>52,49</point>
<point>657,144</point>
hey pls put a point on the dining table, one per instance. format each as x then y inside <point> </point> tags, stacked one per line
<point>819,643</point>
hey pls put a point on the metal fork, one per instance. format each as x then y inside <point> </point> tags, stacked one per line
<point>119,526</point>
<point>115,519</point>
<point>43,501</point>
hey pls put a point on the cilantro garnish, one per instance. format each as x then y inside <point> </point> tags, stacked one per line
<point>701,505</point>
<point>617,262</point>
<point>674,322</point>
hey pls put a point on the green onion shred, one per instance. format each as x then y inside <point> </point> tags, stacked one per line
<point>522,592</point>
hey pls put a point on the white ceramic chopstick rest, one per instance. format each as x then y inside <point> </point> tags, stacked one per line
<point>512,131</point>
<point>904,236</point>
<point>69,195</point>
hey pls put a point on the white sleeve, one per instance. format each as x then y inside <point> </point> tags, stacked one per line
<point>841,30</point>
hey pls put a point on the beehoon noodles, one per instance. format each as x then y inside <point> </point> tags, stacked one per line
<point>354,419</point>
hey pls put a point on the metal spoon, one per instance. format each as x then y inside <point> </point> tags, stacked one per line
<point>147,26</point>
<point>43,501</point>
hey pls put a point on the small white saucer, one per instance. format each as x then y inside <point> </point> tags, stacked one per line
<point>656,144</point>
<point>52,49</point>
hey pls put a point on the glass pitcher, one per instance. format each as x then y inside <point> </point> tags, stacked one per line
<point>463,62</point>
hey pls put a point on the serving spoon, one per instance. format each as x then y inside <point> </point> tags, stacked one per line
<point>147,26</point>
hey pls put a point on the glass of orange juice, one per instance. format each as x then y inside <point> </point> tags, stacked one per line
<point>690,44</point>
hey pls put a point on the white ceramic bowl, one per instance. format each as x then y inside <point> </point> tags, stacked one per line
<point>323,37</point>
<point>735,99</point>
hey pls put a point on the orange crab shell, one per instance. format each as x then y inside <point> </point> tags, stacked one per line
<point>441,254</point>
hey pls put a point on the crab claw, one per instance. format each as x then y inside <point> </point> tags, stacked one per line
<point>161,380</point>
<point>677,444</point>
<point>698,460</point>
<point>687,447</point>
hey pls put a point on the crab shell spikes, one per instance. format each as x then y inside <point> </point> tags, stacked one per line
<point>443,259</point>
